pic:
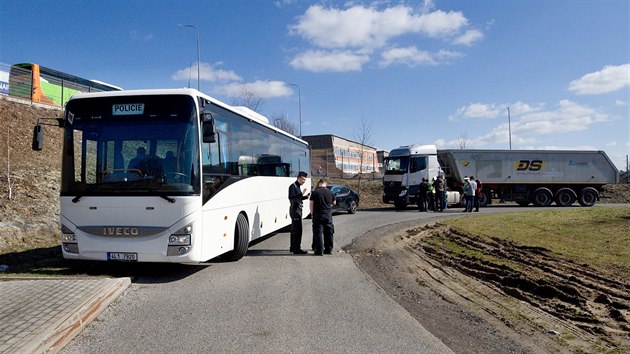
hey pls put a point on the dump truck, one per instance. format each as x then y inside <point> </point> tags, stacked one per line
<point>538,177</point>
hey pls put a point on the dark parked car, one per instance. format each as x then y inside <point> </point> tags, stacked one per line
<point>347,199</point>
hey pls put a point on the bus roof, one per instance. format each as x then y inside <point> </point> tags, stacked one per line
<point>241,111</point>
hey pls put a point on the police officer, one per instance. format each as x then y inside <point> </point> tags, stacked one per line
<point>321,202</point>
<point>296,195</point>
<point>423,190</point>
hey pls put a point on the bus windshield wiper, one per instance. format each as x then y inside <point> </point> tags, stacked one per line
<point>167,198</point>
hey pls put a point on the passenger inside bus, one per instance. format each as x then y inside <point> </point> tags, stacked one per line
<point>170,162</point>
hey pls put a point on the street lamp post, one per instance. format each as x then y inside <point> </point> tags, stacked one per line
<point>299,106</point>
<point>510,127</point>
<point>198,62</point>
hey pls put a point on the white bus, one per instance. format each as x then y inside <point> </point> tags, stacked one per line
<point>170,176</point>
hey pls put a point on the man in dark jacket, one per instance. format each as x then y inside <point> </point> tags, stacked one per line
<point>422,195</point>
<point>296,195</point>
<point>322,201</point>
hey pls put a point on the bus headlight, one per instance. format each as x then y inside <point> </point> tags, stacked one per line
<point>69,240</point>
<point>179,242</point>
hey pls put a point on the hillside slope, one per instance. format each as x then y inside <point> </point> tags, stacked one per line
<point>30,218</point>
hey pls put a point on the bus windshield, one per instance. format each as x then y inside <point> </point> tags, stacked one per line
<point>396,165</point>
<point>131,145</point>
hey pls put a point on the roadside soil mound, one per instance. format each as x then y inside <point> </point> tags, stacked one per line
<point>557,304</point>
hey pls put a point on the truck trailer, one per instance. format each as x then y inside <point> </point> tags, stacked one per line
<point>540,177</point>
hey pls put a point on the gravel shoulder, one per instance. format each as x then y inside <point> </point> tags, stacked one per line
<point>481,308</point>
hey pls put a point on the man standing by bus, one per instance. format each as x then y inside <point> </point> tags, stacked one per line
<point>322,201</point>
<point>296,196</point>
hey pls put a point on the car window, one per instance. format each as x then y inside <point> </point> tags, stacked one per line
<point>344,190</point>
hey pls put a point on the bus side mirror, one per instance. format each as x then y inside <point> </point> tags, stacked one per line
<point>208,129</point>
<point>38,137</point>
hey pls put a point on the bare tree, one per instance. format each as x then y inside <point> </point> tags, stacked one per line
<point>463,142</point>
<point>248,99</point>
<point>281,121</point>
<point>364,137</point>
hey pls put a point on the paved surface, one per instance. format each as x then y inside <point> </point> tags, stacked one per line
<point>42,315</point>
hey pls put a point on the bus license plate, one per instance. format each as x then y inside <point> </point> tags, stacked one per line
<point>122,256</point>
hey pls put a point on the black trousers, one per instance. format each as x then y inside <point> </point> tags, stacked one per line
<point>296,232</point>
<point>323,231</point>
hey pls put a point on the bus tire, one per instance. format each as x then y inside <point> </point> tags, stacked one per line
<point>542,197</point>
<point>588,197</point>
<point>241,239</point>
<point>565,197</point>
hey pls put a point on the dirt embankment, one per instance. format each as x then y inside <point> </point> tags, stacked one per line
<point>495,291</point>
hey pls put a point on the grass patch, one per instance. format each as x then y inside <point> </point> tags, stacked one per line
<point>598,236</point>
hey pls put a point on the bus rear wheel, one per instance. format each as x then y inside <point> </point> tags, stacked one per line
<point>241,239</point>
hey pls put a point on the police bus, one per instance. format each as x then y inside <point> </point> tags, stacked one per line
<point>170,176</point>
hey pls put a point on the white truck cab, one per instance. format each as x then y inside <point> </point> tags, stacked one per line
<point>405,167</point>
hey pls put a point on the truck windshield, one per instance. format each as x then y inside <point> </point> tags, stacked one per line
<point>396,165</point>
<point>131,145</point>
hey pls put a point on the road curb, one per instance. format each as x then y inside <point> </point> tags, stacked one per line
<point>60,334</point>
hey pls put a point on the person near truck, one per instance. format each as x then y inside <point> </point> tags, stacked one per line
<point>322,202</point>
<point>469,193</point>
<point>477,194</point>
<point>431,195</point>
<point>440,194</point>
<point>296,195</point>
<point>423,190</point>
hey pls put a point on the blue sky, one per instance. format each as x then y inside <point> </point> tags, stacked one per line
<point>417,71</point>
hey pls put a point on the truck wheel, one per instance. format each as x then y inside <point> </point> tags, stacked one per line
<point>241,239</point>
<point>542,197</point>
<point>565,197</point>
<point>588,196</point>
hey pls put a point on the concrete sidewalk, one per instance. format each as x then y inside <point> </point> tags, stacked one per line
<point>42,315</point>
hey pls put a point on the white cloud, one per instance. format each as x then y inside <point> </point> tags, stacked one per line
<point>207,72</point>
<point>337,61</point>
<point>367,27</point>
<point>612,143</point>
<point>494,110</point>
<point>620,103</point>
<point>412,56</point>
<point>609,79</point>
<point>470,37</point>
<point>262,89</point>
<point>531,122</point>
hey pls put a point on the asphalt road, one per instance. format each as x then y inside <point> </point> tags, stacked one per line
<point>269,301</point>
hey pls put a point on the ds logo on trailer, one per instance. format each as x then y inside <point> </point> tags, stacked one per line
<point>527,165</point>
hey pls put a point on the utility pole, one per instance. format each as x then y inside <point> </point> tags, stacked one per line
<point>510,127</point>
<point>299,106</point>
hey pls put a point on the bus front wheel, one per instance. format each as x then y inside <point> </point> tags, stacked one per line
<point>241,239</point>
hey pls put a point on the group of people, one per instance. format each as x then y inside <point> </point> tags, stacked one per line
<point>321,203</point>
<point>472,193</point>
<point>432,195</point>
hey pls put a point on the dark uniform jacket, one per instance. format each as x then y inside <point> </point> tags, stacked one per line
<point>295,198</point>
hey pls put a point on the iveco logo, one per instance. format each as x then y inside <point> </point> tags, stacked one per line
<point>121,231</point>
